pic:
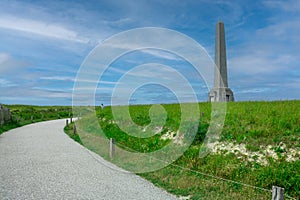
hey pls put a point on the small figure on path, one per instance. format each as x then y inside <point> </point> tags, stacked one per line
<point>102,106</point>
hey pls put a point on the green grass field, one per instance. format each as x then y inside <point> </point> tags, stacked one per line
<point>26,114</point>
<point>268,131</point>
<point>260,141</point>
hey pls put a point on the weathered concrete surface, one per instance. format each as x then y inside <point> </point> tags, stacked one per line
<point>220,92</point>
<point>220,80</point>
<point>5,115</point>
<point>39,161</point>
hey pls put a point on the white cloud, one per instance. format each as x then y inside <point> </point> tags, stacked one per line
<point>6,83</point>
<point>57,78</point>
<point>286,30</point>
<point>150,71</point>
<point>259,63</point>
<point>40,28</point>
<point>3,57</point>
<point>10,65</point>
<point>119,22</point>
<point>294,84</point>
<point>101,82</point>
<point>271,50</point>
<point>51,92</point>
<point>108,82</point>
<point>287,5</point>
<point>254,90</point>
<point>161,54</point>
<point>119,70</point>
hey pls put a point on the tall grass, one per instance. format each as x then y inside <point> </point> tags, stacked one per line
<point>255,124</point>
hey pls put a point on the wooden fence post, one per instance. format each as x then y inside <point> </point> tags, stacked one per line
<point>74,129</point>
<point>71,119</point>
<point>1,118</point>
<point>111,148</point>
<point>277,193</point>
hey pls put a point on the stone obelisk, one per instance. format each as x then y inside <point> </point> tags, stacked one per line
<point>220,92</point>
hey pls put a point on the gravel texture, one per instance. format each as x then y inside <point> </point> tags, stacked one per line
<point>39,161</point>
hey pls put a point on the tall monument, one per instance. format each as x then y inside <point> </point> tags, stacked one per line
<point>220,92</point>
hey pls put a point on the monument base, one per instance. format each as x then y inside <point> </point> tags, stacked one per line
<point>220,95</point>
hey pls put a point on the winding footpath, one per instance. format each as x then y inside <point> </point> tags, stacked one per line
<point>39,161</point>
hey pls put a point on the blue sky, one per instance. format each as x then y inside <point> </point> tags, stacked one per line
<point>44,43</point>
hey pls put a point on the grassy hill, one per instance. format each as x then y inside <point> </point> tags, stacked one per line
<point>259,147</point>
<point>26,114</point>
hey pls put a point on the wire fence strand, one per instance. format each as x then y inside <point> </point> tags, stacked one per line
<point>204,174</point>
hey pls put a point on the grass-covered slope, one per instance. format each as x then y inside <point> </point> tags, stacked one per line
<point>26,114</point>
<point>259,147</point>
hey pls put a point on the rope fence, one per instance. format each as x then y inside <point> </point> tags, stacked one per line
<point>276,192</point>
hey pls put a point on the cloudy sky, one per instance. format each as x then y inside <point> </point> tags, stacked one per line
<point>44,43</point>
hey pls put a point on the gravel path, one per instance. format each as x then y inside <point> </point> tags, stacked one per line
<point>39,161</point>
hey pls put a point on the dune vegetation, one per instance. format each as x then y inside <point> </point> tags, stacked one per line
<point>259,148</point>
